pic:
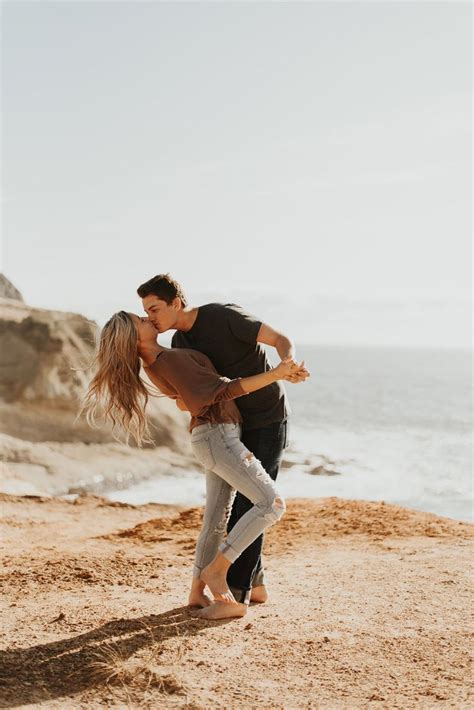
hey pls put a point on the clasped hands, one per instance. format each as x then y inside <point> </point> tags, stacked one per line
<point>293,371</point>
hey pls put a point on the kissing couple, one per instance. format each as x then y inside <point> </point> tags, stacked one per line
<point>218,371</point>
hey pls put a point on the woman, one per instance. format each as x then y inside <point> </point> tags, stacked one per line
<point>189,377</point>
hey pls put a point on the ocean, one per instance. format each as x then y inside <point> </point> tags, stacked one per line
<point>376,424</point>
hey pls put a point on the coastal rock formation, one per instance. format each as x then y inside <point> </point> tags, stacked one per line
<point>45,366</point>
<point>44,355</point>
<point>8,290</point>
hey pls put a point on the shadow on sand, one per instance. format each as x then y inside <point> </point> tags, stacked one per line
<point>60,668</point>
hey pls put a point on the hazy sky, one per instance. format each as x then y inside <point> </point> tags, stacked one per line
<point>309,160</point>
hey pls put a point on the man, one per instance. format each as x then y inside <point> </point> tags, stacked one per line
<point>232,339</point>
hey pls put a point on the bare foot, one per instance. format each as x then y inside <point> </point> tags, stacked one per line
<point>217,583</point>
<point>222,610</point>
<point>259,594</point>
<point>199,599</point>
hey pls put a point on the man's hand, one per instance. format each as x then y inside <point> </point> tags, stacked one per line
<point>291,371</point>
<point>298,375</point>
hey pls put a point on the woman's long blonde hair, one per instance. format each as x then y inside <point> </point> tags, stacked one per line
<point>116,392</point>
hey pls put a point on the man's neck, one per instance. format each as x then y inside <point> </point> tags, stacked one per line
<point>187,318</point>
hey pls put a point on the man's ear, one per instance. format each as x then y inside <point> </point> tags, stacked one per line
<point>177,303</point>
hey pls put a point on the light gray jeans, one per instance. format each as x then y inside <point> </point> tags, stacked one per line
<point>231,467</point>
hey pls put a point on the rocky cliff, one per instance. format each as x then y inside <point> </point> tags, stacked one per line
<point>8,290</point>
<point>45,366</point>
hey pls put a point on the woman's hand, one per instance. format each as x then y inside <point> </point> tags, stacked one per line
<point>288,369</point>
<point>299,375</point>
<point>292,371</point>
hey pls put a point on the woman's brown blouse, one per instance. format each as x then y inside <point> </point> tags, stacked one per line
<point>191,376</point>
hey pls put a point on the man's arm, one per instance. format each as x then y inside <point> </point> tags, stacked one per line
<point>284,347</point>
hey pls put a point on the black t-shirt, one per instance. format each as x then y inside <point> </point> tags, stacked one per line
<point>228,336</point>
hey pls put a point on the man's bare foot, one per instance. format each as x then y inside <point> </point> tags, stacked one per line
<point>222,610</point>
<point>217,583</point>
<point>199,599</point>
<point>259,594</point>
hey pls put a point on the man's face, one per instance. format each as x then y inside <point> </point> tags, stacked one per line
<point>161,314</point>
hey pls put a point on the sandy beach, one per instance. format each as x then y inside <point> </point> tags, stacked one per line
<point>368,602</point>
<point>369,608</point>
<point>237,272</point>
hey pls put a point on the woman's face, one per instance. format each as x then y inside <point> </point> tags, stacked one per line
<point>147,332</point>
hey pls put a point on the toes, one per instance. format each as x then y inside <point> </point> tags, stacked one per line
<point>226,597</point>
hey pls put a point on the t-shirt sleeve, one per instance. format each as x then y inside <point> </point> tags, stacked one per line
<point>198,384</point>
<point>175,340</point>
<point>242,324</point>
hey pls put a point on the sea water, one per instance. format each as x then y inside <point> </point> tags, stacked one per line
<point>386,424</point>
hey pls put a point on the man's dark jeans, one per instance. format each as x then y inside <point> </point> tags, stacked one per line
<point>267,445</point>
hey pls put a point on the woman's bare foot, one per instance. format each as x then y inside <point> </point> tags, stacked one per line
<point>259,594</point>
<point>197,595</point>
<point>199,599</point>
<point>222,610</point>
<point>215,576</point>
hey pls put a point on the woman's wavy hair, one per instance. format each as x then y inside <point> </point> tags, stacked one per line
<point>116,392</point>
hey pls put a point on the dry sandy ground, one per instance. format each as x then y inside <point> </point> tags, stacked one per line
<point>369,609</point>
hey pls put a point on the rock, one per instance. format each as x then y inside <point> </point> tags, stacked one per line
<point>45,369</point>
<point>8,290</point>
<point>44,355</point>
<point>323,471</point>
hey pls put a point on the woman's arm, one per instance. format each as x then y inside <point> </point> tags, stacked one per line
<point>198,385</point>
<point>287,367</point>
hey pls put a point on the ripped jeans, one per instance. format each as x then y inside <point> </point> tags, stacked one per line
<point>231,467</point>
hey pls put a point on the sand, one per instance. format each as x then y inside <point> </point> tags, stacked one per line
<point>368,608</point>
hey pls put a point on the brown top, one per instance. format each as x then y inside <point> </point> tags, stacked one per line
<point>190,375</point>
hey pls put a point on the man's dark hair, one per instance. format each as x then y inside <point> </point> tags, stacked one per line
<point>163,287</point>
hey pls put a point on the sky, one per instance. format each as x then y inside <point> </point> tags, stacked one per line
<point>310,161</point>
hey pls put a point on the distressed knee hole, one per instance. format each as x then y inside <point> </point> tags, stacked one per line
<point>276,511</point>
<point>247,457</point>
<point>278,507</point>
<point>279,504</point>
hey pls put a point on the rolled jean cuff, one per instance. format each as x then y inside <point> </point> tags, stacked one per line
<point>258,578</point>
<point>240,595</point>
<point>228,552</point>
<point>196,572</point>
